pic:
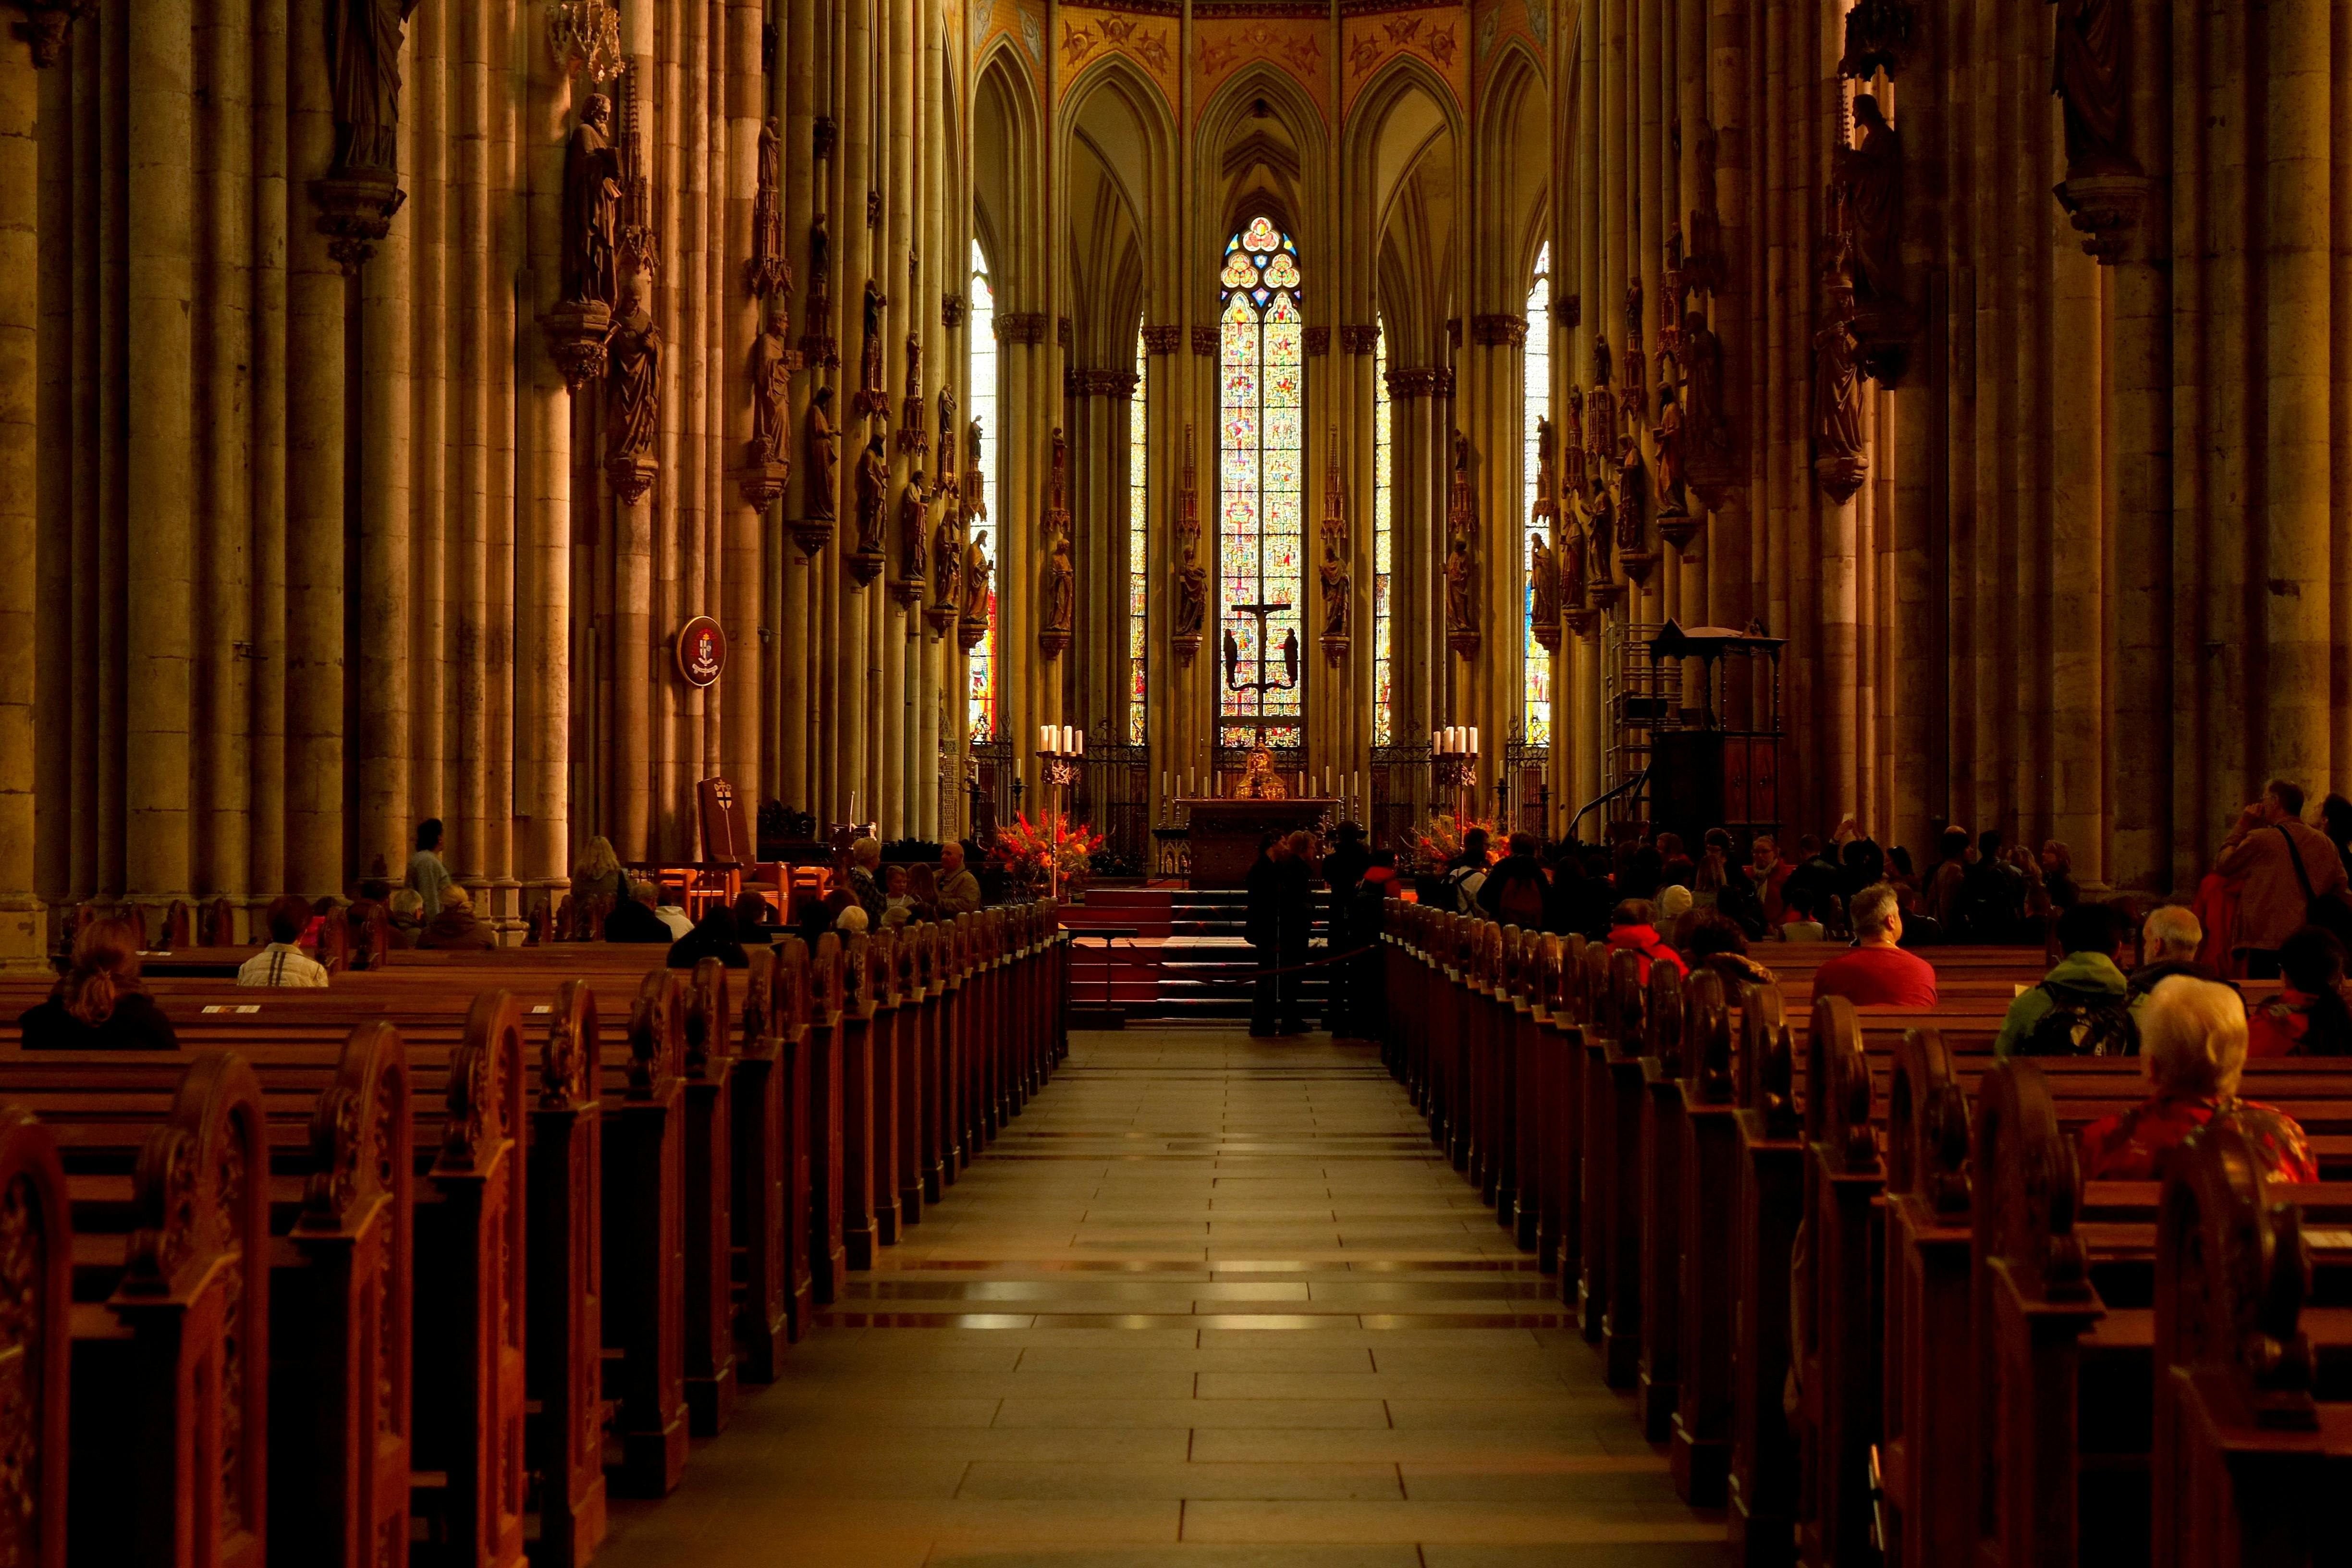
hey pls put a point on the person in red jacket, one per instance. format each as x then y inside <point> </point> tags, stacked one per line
<point>1630,930</point>
<point>1877,973</point>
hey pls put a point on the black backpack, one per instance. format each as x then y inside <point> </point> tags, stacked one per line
<point>2083,1024</point>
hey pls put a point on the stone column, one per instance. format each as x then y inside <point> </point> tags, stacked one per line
<point>383,820</point>
<point>316,378</point>
<point>159,330</point>
<point>2293,229</point>
<point>543,522</point>
<point>746,503</point>
<point>24,918</point>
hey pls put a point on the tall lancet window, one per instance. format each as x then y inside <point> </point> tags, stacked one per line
<point>1139,546</point>
<point>1383,544</point>
<point>979,338</point>
<point>1536,659</point>
<point>1260,455</point>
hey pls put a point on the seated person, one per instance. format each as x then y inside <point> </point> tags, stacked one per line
<point>897,899</point>
<point>959,888</point>
<point>924,888</point>
<point>1797,900</point>
<point>98,1005</point>
<point>674,916</point>
<point>1630,931</point>
<point>456,929</point>
<point>1716,942</point>
<point>2193,1048</point>
<point>713,936</point>
<point>283,961</point>
<point>632,919</point>
<point>364,909</point>
<point>2307,1017</point>
<point>751,920</point>
<point>406,907</point>
<point>851,920</point>
<point>2079,1009</point>
<point>1878,972</point>
<point>2168,941</point>
<point>1919,928</point>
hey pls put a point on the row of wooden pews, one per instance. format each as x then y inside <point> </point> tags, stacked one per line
<point>435,1258</point>
<point>1846,1264</point>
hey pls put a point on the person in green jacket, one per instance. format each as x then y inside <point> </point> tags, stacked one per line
<point>2084,987</point>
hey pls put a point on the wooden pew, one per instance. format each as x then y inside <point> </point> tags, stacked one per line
<point>36,1269</point>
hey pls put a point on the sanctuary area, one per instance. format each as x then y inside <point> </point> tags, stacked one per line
<point>1075,783</point>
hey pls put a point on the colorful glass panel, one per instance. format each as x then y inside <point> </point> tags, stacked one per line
<point>1138,548</point>
<point>979,339</point>
<point>1537,406</point>
<point>1260,465</point>
<point>1384,545</point>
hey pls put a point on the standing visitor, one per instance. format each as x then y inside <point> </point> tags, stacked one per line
<point>2286,867</point>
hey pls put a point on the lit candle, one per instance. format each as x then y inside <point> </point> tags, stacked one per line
<point>1078,741</point>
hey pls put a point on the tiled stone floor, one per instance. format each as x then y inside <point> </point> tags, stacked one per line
<point>1208,1302</point>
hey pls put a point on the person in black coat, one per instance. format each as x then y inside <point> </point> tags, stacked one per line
<point>713,936</point>
<point>1297,886</point>
<point>632,919</point>
<point>1262,927</point>
<point>1342,869</point>
<point>98,1003</point>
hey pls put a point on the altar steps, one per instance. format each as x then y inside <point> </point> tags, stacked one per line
<point>1188,959</point>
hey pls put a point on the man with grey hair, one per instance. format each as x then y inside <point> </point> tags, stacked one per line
<point>2168,941</point>
<point>1877,973</point>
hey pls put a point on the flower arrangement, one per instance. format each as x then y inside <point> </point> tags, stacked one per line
<point>1028,853</point>
<point>1439,839</point>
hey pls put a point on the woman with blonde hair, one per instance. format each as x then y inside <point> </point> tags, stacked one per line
<point>98,1003</point>
<point>599,873</point>
<point>2192,1046</point>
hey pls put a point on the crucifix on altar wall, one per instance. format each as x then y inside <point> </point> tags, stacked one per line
<point>1234,682</point>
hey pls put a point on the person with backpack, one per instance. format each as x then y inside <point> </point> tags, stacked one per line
<point>2308,1016</point>
<point>2081,1007</point>
<point>2291,877</point>
<point>1465,874</point>
<point>1514,891</point>
<point>1631,931</point>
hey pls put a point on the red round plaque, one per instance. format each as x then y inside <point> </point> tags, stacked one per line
<point>701,652</point>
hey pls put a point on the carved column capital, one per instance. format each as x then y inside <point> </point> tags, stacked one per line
<point>355,211</point>
<point>1499,330</point>
<point>1020,326</point>
<point>1318,340</point>
<point>2105,210</point>
<point>1163,340</point>
<point>1358,338</point>
<point>952,311</point>
<point>1204,341</point>
<point>46,25</point>
<point>1098,383</point>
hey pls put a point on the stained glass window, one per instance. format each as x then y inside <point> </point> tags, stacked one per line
<point>1538,406</point>
<point>1383,544</point>
<point>1261,453</point>
<point>979,339</point>
<point>1138,547</point>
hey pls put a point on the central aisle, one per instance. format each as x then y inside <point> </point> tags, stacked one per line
<point>1209,1301</point>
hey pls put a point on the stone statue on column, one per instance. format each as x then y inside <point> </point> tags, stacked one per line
<point>822,443</point>
<point>1061,595</point>
<point>1838,462</point>
<point>947,559</point>
<point>871,397</point>
<point>975,482</point>
<point>976,570</point>
<point>592,205</point>
<point>1192,579</point>
<point>817,345</point>
<point>1575,555</point>
<point>2087,74</point>
<point>873,500</point>
<point>1543,580</point>
<point>1868,180</point>
<point>1332,570</point>
<point>773,364</point>
<point>1191,598</point>
<point>1462,633</point>
<point>632,395</point>
<point>768,272</point>
<point>1057,490</point>
<point>1547,476</point>
<point>364,41</point>
<point>914,538</point>
<point>947,483</point>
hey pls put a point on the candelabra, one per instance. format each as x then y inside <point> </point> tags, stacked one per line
<point>1060,748</point>
<point>1455,763</point>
